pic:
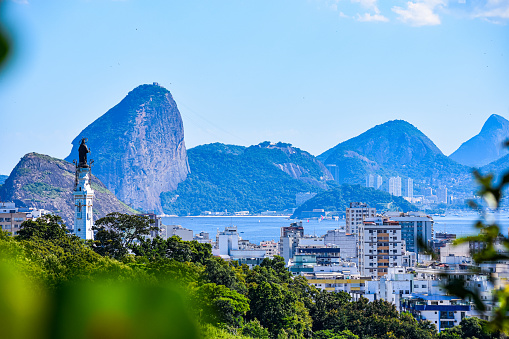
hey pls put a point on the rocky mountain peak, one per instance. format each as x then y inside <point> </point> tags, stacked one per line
<point>485,147</point>
<point>138,147</point>
<point>494,122</point>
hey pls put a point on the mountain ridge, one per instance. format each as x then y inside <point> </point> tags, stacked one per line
<point>394,148</point>
<point>256,178</point>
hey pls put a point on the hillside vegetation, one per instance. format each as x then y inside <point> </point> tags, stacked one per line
<point>396,148</point>
<point>41,181</point>
<point>236,178</point>
<point>338,199</point>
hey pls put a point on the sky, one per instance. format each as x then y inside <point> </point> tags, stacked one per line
<point>313,73</point>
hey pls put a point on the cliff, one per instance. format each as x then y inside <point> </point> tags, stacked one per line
<point>41,181</point>
<point>138,147</point>
<point>485,147</point>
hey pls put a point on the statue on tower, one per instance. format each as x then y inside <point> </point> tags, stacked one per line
<point>83,150</point>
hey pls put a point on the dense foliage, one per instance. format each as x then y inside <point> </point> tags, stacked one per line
<point>239,178</point>
<point>339,198</point>
<point>166,284</point>
<point>63,288</point>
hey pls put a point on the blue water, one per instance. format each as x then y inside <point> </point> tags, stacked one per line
<point>256,229</point>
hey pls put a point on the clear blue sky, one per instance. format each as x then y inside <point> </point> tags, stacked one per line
<point>310,72</point>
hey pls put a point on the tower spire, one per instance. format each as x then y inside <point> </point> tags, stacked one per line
<point>83,195</point>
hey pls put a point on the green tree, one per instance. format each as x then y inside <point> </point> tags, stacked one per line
<point>325,306</point>
<point>116,232</point>
<point>254,329</point>
<point>220,304</point>
<point>278,309</point>
<point>173,248</point>
<point>47,227</point>
<point>220,272</point>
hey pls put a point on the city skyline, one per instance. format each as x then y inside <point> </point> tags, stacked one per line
<point>242,73</point>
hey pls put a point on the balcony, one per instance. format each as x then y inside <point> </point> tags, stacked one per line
<point>441,308</point>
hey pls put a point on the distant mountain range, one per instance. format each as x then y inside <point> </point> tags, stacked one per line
<point>395,148</point>
<point>485,147</point>
<point>339,198</point>
<point>41,181</point>
<point>140,155</point>
<point>236,178</point>
<point>138,147</point>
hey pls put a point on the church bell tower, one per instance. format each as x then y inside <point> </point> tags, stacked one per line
<point>83,195</point>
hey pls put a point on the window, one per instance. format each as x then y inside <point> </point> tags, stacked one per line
<point>8,219</point>
<point>1,219</point>
<point>423,286</point>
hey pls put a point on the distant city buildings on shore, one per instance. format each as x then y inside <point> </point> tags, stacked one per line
<point>11,217</point>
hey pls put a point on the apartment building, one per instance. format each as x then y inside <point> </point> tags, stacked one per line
<point>395,186</point>
<point>414,226</point>
<point>379,246</point>
<point>11,218</point>
<point>355,214</point>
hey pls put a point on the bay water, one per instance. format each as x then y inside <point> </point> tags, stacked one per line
<point>260,228</point>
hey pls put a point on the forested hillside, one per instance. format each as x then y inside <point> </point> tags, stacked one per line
<point>338,199</point>
<point>256,178</point>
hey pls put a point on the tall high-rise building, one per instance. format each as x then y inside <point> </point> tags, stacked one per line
<point>409,188</point>
<point>428,192</point>
<point>355,215</point>
<point>395,186</point>
<point>379,181</point>
<point>370,180</point>
<point>414,225</point>
<point>289,240</point>
<point>379,246</point>
<point>442,194</point>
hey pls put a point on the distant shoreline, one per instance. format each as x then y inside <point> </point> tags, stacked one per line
<point>232,216</point>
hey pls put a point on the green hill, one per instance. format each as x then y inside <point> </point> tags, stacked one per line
<point>396,148</point>
<point>339,198</point>
<point>41,181</point>
<point>236,178</point>
<point>2,179</point>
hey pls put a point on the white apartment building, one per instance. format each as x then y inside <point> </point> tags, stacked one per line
<point>379,181</point>
<point>398,283</point>
<point>346,242</point>
<point>370,180</point>
<point>414,225</point>
<point>442,194</point>
<point>395,186</point>
<point>184,233</point>
<point>409,188</point>
<point>355,214</point>
<point>379,246</point>
<point>271,248</point>
<point>441,310</point>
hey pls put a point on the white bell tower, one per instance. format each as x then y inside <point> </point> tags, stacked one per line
<point>83,196</point>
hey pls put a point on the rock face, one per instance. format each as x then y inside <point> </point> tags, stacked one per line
<point>485,147</point>
<point>138,147</point>
<point>393,148</point>
<point>41,181</point>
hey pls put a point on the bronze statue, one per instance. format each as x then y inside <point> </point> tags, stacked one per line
<point>83,150</point>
